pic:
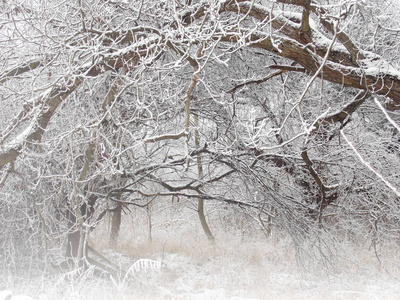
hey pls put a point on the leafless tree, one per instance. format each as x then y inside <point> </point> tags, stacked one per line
<point>257,104</point>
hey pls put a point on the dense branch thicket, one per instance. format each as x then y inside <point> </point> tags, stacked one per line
<point>286,109</point>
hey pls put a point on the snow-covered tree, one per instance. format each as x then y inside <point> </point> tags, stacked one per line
<point>284,108</point>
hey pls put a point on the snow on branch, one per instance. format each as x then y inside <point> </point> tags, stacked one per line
<point>368,165</point>
<point>282,69</point>
<point>52,98</point>
<point>171,136</point>
<point>387,115</point>
<point>18,70</point>
<point>58,93</point>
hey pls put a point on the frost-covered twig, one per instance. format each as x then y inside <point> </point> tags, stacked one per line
<point>386,114</point>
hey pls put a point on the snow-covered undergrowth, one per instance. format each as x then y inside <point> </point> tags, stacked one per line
<point>174,260</point>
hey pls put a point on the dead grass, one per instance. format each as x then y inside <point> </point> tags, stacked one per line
<point>237,265</point>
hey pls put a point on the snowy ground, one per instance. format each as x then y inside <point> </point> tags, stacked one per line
<point>179,263</point>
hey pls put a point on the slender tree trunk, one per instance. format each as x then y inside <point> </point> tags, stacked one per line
<point>200,205</point>
<point>150,224</point>
<point>203,221</point>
